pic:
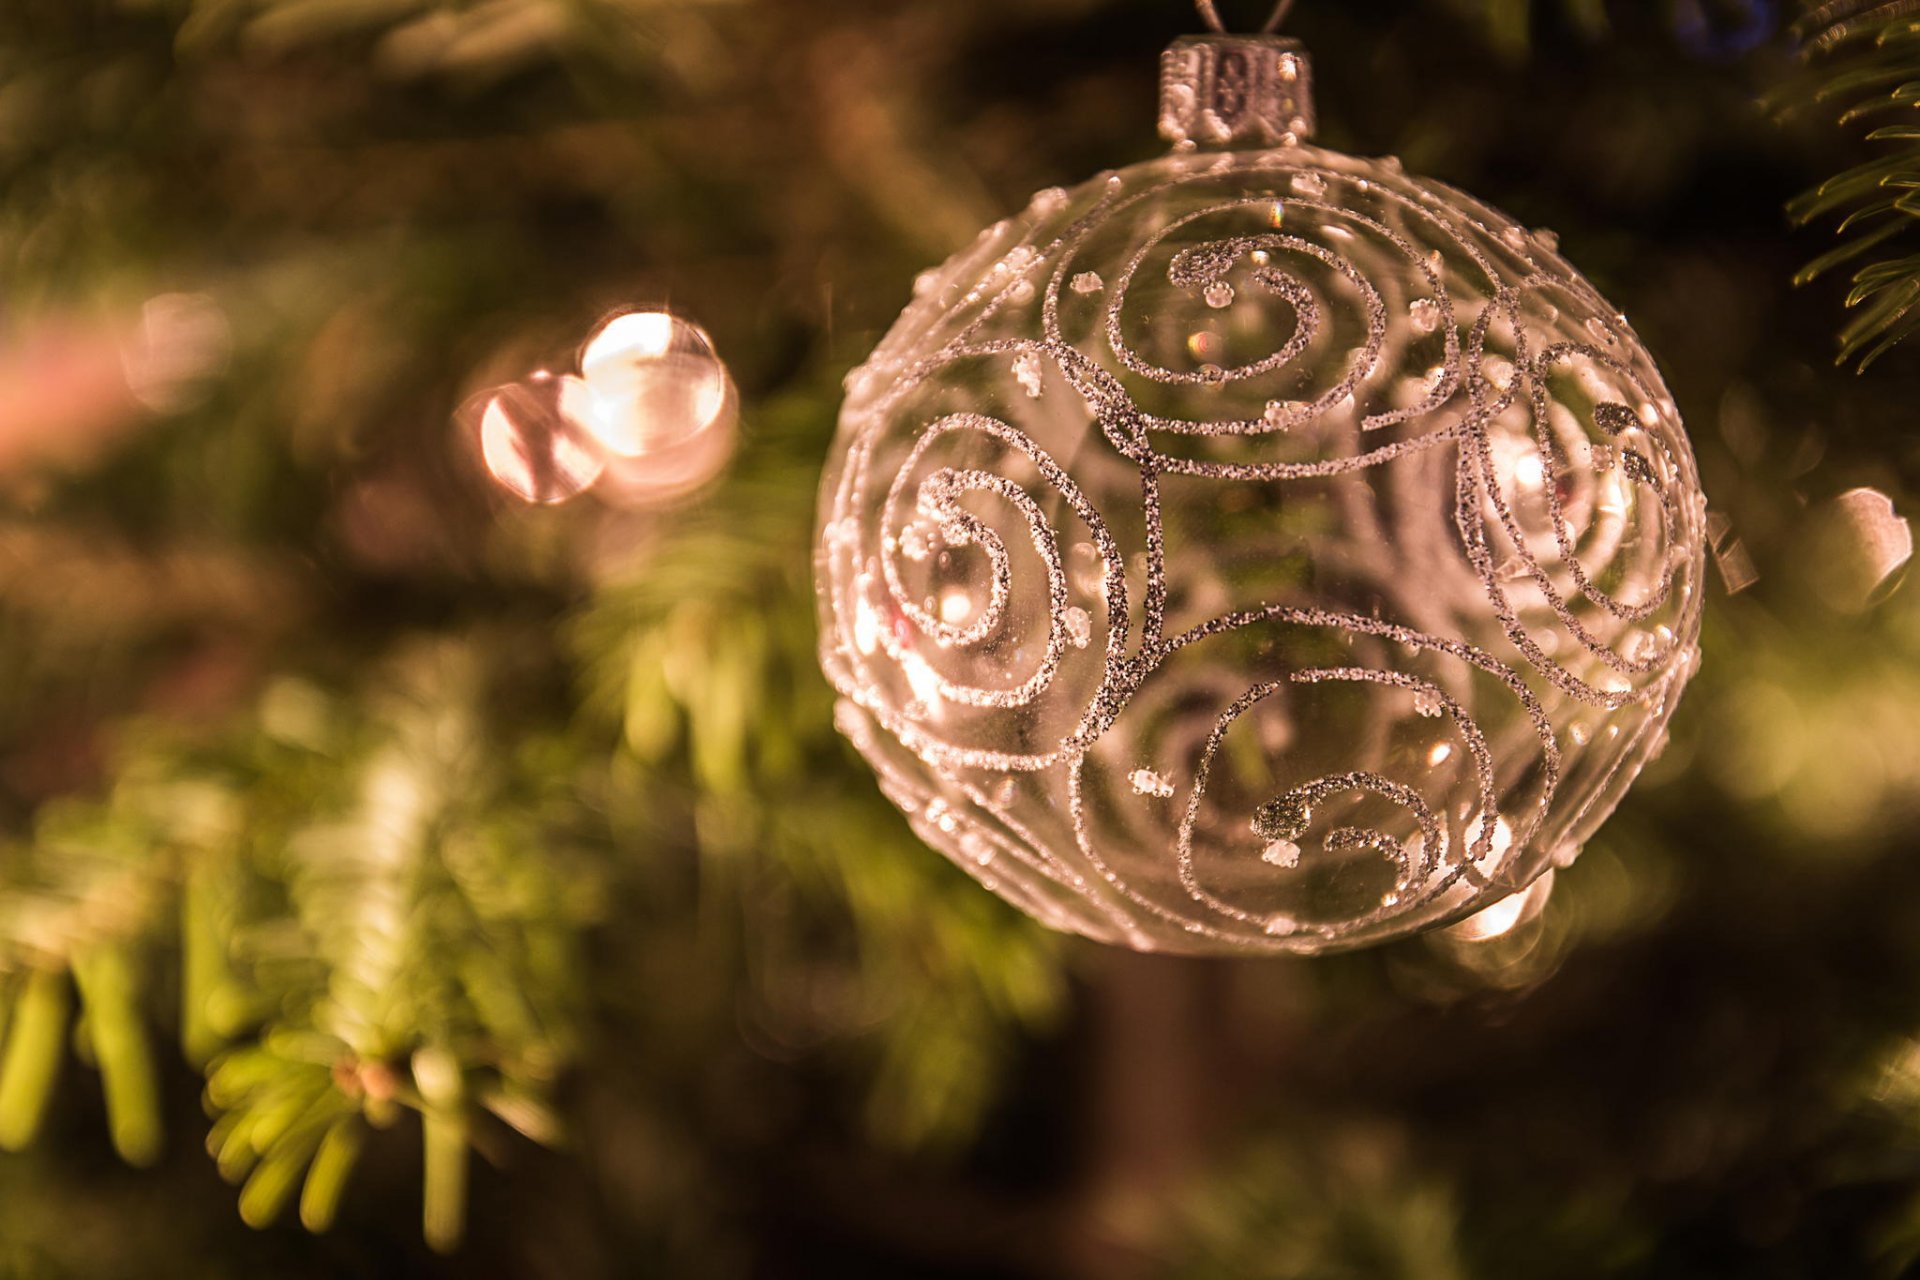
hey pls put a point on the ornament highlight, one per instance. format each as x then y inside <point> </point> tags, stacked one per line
<point>1257,548</point>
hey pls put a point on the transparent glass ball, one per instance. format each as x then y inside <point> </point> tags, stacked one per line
<point>1259,550</point>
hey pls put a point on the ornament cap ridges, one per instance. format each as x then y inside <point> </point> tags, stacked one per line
<point>1236,91</point>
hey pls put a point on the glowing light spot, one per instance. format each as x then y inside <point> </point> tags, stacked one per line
<point>866,626</point>
<point>653,381</point>
<point>530,445</point>
<point>1613,495</point>
<point>923,680</point>
<point>1203,345</point>
<point>1865,543</point>
<point>1506,915</point>
<point>638,335</point>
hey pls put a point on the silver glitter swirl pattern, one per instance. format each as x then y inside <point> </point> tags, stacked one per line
<point>1258,551</point>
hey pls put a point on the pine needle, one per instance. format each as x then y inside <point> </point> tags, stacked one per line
<point>1866,54</point>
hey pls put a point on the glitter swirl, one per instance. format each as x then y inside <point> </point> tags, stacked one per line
<point>1258,551</point>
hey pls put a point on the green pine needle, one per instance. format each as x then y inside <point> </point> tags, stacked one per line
<point>1866,55</point>
<point>35,1046</point>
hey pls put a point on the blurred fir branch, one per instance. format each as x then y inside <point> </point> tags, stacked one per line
<point>374,890</point>
<point>374,914</point>
<point>705,655</point>
<point>1864,63</point>
<point>1352,1203</point>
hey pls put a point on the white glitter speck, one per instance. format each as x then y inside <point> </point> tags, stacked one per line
<point>1281,853</point>
<point>1079,625</point>
<point>1149,783</point>
<point>1027,372</point>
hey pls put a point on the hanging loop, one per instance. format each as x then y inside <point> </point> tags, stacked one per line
<point>1210,14</point>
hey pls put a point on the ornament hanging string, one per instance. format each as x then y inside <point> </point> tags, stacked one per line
<point>1210,14</point>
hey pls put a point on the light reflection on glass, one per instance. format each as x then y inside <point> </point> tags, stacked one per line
<point>1506,915</point>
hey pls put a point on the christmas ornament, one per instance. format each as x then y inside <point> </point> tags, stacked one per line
<point>1258,548</point>
<point>649,416</point>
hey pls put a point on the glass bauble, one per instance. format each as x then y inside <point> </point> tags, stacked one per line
<point>1258,550</point>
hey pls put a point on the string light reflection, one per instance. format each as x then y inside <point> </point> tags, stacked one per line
<point>649,416</point>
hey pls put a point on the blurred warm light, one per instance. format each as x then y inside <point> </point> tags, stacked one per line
<point>69,385</point>
<point>1861,543</point>
<point>673,472</point>
<point>655,383</point>
<point>63,390</point>
<point>532,444</point>
<point>1506,915</point>
<point>1899,1083</point>
<point>1730,555</point>
<point>182,342</point>
<point>638,335</point>
<point>650,417</point>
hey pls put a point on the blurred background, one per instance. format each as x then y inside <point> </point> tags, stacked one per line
<point>401,877</point>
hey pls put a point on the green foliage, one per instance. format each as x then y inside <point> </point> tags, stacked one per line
<point>1345,1206</point>
<point>82,900</point>
<point>705,656</point>
<point>375,914</point>
<point>1865,58</point>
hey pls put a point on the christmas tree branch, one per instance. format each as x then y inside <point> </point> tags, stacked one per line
<point>374,916</point>
<point>1866,56</point>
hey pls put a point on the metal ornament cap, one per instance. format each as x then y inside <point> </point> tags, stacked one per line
<point>1236,91</point>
